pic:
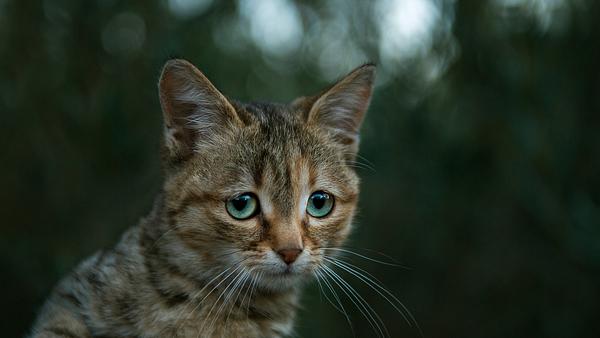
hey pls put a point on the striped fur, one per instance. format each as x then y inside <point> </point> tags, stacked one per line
<point>191,270</point>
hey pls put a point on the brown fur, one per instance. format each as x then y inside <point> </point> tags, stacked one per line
<point>189,269</point>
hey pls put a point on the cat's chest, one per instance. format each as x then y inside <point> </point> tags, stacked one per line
<point>219,320</point>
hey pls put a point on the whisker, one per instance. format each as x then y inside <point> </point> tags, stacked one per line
<point>364,307</point>
<point>351,163</point>
<point>221,294</point>
<point>341,308</point>
<point>184,310</point>
<point>240,287</point>
<point>361,164</point>
<point>235,268</point>
<point>366,257</point>
<point>382,254</point>
<point>358,303</point>
<point>357,166</point>
<point>253,287</point>
<point>338,307</point>
<point>376,285</point>
<point>252,278</point>
<point>365,159</point>
<point>366,163</point>
<point>322,292</point>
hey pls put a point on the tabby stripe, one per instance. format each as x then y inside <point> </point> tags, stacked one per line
<point>70,297</point>
<point>62,332</point>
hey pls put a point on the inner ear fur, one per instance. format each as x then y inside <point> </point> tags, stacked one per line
<point>194,110</point>
<point>341,108</point>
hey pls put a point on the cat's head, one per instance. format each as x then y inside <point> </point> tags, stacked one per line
<point>258,188</point>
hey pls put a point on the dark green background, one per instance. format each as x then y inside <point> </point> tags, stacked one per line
<point>486,174</point>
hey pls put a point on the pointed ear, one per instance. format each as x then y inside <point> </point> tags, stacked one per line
<point>341,108</point>
<point>194,110</point>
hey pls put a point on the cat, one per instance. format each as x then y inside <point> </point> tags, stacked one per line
<point>254,195</point>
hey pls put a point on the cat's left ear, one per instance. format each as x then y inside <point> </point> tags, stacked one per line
<point>341,108</point>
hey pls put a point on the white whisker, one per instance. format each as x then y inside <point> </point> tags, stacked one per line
<point>341,308</point>
<point>253,287</point>
<point>240,287</point>
<point>199,302</point>
<point>365,257</point>
<point>364,307</point>
<point>248,287</point>
<point>376,285</point>
<point>217,301</point>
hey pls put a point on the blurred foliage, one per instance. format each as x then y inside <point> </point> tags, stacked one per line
<point>483,135</point>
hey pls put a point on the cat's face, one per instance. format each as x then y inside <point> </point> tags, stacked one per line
<point>258,190</point>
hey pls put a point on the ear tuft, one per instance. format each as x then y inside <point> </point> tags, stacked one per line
<point>341,108</point>
<point>193,109</point>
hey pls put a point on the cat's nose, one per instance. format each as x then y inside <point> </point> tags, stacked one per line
<point>289,256</point>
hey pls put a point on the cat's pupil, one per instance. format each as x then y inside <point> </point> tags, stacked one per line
<point>318,201</point>
<point>240,203</point>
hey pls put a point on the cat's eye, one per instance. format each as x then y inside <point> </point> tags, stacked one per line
<point>242,206</point>
<point>319,204</point>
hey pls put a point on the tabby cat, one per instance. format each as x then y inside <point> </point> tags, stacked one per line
<point>254,194</point>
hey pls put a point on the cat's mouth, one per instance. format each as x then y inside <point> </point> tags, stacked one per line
<point>288,272</point>
<point>282,280</point>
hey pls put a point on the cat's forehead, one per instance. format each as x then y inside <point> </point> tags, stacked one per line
<point>277,131</point>
<point>275,151</point>
<point>267,114</point>
<point>276,134</point>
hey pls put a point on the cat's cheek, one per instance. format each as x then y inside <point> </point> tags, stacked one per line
<point>237,230</point>
<point>245,228</point>
<point>333,228</point>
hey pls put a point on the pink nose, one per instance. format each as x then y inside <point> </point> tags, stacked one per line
<point>289,255</point>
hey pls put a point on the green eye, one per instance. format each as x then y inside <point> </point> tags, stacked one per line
<point>242,206</point>
<point>319,204</point>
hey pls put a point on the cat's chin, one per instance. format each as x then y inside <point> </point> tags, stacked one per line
<point>283,281</point>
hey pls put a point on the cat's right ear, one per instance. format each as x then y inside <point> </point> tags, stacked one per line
<point>194,110</point>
